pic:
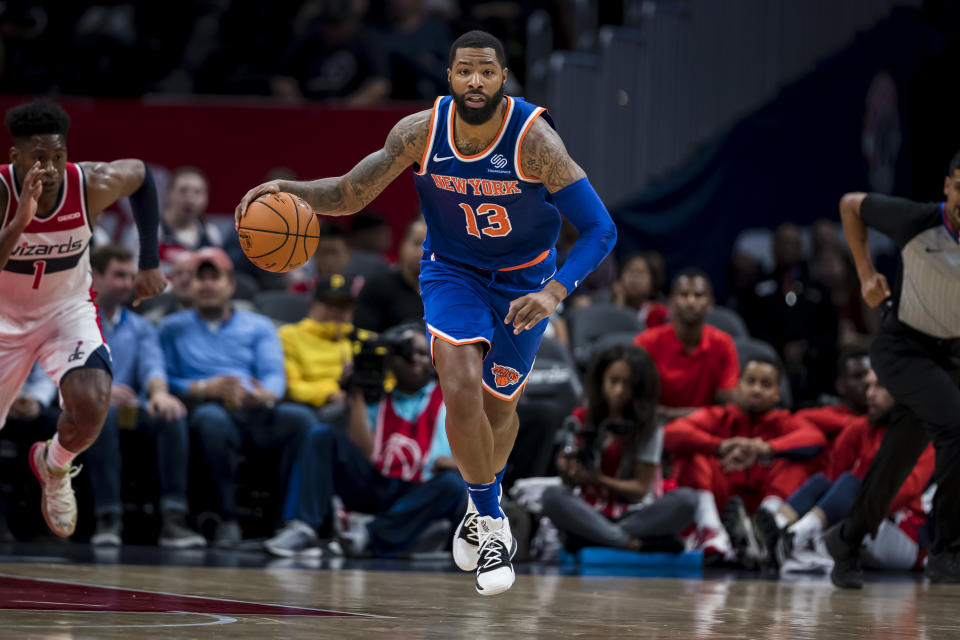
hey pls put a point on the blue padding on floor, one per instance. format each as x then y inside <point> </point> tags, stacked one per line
<point>602,556</point>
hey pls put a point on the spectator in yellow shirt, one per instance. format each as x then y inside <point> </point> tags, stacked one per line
<point>316,349</point>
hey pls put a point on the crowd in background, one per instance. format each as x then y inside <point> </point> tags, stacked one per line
<point>357,51</point>
<point>655,418</point>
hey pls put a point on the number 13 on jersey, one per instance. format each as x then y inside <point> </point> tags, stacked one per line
<point>498,222</point>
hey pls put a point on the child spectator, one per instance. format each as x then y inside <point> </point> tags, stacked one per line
<point>610,475</point>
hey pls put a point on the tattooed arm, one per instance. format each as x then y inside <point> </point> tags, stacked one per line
<point>543,156</point>
<point>353,191</point>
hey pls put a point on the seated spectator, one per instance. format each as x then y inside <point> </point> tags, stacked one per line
<point>747,453</point>
<point>825,499</point>
<point>853,368</point>
<point>610,474</point>
<point>334,56</point>
<point>316,349</point>
<point>183,225</point>
<point>331,258</point>
<point>139,399</point>
<point>392,298</point>
<point>697,363</point>
<point>228,365</point>
<point>790,312</point>
<point>394,461</point>
<point>177,296</point>
<point>418,47</point>
<point>634,289</point>
<point>370,240</point>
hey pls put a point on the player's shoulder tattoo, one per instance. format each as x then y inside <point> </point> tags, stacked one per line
<point>543,156</point>
<point>409,136</point>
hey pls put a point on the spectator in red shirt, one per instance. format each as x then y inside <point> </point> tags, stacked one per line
<point>697,363</point>
<point>825,499</point>
<point>853,367</point>
<point>747,453</point>
<point>635,290</point>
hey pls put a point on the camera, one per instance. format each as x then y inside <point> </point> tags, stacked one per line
<point>370,364</point>
<point>592,440</point>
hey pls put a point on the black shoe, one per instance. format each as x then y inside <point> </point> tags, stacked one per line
<point>743,537</point>
<point>227,535</point>
<point>769,533</point>
<point>943,567</point>
<point>847,572</point>
<point>784,548</point>
<point>175,534</point>
<point>109,531</point>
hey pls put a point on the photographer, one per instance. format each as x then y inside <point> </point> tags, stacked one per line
<point>393,461</point>
<point>610,471</point>
<point>316,349</point>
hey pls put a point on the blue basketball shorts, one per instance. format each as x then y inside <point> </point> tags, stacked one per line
<point>466,305</point>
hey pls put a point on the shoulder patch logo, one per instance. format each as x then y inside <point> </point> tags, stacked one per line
<point>498,161</point>
<point>504,376</point>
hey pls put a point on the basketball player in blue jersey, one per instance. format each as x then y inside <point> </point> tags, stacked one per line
<point>47,313</point>
<point>493,178</point>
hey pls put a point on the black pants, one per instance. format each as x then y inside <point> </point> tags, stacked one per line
<point>923,375</point>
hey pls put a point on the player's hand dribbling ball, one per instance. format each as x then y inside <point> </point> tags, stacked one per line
<point>279,232</point>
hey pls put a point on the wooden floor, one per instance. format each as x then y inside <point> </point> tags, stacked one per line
<point>64,601</point>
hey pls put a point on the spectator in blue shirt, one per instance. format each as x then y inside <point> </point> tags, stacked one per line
<point>139,399</point>
<point>393,461</point>
<point>228,364</point>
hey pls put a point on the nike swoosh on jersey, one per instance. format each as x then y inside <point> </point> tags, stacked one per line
<point>437,158</point>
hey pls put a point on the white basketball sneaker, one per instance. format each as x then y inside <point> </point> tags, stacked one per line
<point>497,546</point>
<point>466,543</point>
<point>58,504</point>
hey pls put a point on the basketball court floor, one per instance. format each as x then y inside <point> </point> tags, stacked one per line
<point>66,591</point>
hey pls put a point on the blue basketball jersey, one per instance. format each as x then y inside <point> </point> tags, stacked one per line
<point>482,210</point>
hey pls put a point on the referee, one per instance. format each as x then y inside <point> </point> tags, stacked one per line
<point>915,355</point>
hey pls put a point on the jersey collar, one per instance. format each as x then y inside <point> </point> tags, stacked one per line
<point>946,223</point>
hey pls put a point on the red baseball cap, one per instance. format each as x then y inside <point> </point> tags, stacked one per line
<point>213,256</point>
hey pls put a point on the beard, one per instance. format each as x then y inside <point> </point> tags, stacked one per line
<point>477,116</point>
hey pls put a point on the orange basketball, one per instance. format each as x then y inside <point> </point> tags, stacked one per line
<point>279,232</point>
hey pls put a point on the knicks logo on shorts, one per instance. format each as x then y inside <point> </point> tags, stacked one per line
<point>504,376</point>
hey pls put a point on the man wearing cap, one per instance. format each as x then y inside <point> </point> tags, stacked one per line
<point>228,365</point>
<point>139,399</point>
<point>316,349</point>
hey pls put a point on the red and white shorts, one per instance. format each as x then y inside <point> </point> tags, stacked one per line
<point>62,343</point>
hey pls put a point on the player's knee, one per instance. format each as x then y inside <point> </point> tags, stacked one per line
<point>86,398</point>
<point>462,395</point>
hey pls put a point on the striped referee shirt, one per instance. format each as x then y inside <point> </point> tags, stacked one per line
<point>927,291</point>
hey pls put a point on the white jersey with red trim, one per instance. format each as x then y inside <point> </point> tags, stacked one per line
<point>49,268</point>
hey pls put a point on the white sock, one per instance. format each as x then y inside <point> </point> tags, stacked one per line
<point>57,456</point>
<point>771,504</point>
<point>707,514</point>
<point>805,529</point>
<point>781,520</point>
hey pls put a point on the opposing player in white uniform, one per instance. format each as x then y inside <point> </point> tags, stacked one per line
<point>47,313</point>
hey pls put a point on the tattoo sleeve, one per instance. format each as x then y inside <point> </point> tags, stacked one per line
<point>355,190</point>
<point>543,156</point>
